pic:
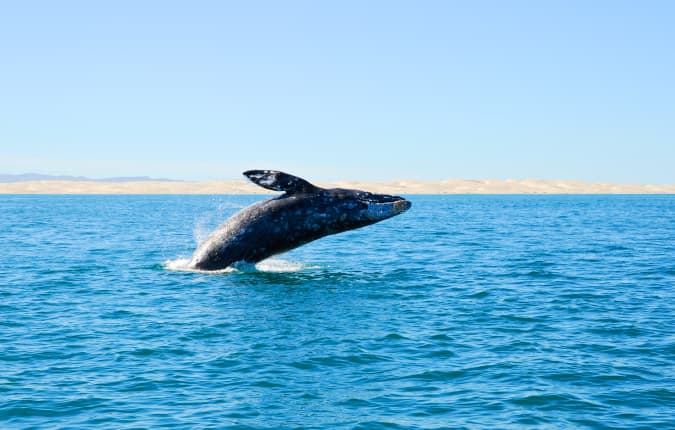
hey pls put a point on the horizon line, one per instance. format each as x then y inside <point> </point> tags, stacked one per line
<point>8,178</point>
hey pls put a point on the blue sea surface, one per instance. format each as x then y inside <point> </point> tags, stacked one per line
<point>470,312</point>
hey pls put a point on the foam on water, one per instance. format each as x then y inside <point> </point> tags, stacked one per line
<point>271,265</point>
<point>276,265</point>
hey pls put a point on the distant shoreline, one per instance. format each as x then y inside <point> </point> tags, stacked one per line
<point>452,186</point>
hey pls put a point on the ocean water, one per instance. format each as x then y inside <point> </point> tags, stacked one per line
<point>465,312</point>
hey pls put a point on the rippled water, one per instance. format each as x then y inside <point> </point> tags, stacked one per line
<point>465,312</point>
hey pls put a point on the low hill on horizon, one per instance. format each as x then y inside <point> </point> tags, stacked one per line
<point>403,187</point>
<point>28,177</point>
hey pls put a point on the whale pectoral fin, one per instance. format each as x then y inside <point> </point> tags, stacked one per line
<point>279,181</point>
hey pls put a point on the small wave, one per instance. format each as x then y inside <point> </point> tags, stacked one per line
<point>268,266</point>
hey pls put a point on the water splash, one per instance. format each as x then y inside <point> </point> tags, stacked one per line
<point>183,265</point>
<point>272,265</point>
<point>208,221</point>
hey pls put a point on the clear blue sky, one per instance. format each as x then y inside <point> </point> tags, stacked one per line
<point>371,90</point>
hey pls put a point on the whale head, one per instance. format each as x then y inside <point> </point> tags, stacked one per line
<point>358,208</point>
<point>339,209</point>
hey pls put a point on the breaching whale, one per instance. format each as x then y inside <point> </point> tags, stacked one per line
<point>302,214</point>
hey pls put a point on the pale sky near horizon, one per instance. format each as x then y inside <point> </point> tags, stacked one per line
<point>354,90</point>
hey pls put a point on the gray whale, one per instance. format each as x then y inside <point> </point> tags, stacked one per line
<point>302,214</point>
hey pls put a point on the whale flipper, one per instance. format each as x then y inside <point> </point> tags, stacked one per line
<point>279,181</point>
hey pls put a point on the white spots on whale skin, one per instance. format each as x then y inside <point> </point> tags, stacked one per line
<point>380,211</point>
<point>267,180</point>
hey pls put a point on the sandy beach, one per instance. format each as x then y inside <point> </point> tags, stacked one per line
<point>451,186</point>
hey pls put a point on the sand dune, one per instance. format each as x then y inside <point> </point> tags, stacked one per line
<point>450,186</point>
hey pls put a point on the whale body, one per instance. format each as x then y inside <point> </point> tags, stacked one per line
<point>302,214</point>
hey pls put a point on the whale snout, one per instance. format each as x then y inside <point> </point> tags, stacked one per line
<point>402,206</point>
<point>387,207</point>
